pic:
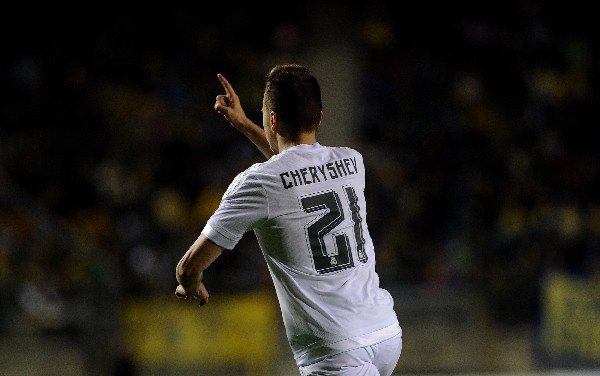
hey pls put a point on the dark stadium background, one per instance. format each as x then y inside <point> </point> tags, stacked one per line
<point>479,129</point>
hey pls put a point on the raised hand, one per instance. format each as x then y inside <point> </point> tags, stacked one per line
<point>229,105</point>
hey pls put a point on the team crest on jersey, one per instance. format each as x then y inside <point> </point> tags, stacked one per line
<point>333,261</point>
<point>362,255</point>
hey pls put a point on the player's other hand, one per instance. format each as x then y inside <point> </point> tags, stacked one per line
<point>229,105</point>
<point>201,294</point>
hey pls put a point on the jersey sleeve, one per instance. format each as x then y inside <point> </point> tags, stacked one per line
<point>242,207</point>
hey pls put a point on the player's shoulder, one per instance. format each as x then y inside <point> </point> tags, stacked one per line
<point>319,149</point>
<point>346,149</point>
<point>242,178</point>
<point>346,152</point>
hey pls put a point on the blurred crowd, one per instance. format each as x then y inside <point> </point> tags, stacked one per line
<point>477,128</point>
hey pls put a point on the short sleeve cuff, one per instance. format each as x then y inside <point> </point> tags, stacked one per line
<point>218,238</point>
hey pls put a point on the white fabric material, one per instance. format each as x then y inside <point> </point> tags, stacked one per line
<point>374,360</point>
<point>307,208</point>
<point>316,354</point>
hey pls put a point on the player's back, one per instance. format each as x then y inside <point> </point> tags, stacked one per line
<point>316,205</point>
<point>317,245</point>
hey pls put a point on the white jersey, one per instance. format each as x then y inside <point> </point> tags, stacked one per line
<point>306,206</point>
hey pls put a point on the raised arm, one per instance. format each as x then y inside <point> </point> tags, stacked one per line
<point>229,106</point>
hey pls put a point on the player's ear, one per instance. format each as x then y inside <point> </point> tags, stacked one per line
<point>273,120</point>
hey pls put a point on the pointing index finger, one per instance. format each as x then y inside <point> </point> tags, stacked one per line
<point>226,84</point>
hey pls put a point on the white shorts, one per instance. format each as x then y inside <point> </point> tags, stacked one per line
<point>374,360</point>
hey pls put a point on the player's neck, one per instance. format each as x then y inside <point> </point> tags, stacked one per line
<point>308,138</point>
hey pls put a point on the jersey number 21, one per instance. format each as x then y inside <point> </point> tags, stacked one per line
<point>326,261</point>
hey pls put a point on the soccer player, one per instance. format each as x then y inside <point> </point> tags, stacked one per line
<point>306,206</point>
